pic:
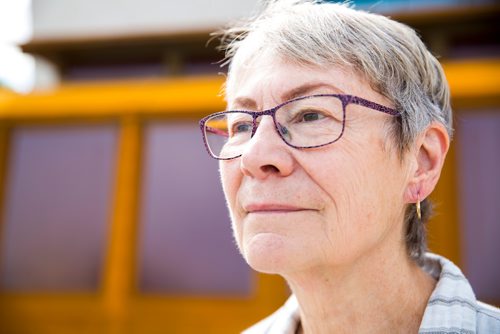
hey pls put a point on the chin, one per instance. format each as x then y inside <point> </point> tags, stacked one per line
<point>268,253</point>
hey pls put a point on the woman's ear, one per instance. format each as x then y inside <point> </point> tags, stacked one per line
<point>428,156</point>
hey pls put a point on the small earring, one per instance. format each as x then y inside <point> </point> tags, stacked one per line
<point>419,212</point>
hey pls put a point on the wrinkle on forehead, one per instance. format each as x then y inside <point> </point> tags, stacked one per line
<point>282,79</point>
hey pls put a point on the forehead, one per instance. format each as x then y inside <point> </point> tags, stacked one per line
<point>268,77</point>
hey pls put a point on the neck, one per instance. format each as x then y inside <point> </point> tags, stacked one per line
<point>379,293</point>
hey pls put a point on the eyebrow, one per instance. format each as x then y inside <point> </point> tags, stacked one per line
<point>302,90</point>
<point>307,88</point>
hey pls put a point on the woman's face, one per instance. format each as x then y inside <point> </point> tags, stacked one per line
<point>294,210</point>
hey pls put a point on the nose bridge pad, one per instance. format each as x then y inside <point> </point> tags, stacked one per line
<point>283,130</point>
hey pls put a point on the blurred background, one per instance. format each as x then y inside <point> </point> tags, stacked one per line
<point>112,219</point>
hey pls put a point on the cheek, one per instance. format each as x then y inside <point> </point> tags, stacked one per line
<point>358,173</point>
<point>231,180</point>
<point>345,179</point>
<point>231,177</point>
<point>359,190</point>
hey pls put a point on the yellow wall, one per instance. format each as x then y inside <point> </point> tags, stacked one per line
<point>117,307</point>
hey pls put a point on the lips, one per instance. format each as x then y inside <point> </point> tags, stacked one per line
<point>272,208</point>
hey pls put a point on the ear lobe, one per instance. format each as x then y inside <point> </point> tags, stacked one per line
<point>429,154</point>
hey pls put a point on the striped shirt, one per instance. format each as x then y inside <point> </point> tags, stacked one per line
<point>452,307</point>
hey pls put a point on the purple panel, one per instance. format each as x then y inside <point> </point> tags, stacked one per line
<point>57,207</point>
<point>478,161</point>
<point>186,244</point>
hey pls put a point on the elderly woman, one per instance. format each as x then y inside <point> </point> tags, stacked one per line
<point>337,128</point>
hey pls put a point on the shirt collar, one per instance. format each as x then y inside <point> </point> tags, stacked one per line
<point>452,305</point>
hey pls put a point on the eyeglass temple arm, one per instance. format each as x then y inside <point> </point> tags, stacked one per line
<point>374,106</point>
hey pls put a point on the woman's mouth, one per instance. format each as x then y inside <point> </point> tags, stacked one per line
<point>273,208</point>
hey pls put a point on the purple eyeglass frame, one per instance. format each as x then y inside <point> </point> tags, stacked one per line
<point>344,98</point>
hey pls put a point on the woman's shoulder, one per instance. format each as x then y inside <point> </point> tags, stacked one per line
<point>488,318</point>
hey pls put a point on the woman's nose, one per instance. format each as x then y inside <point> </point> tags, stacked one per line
<point>266,153</point>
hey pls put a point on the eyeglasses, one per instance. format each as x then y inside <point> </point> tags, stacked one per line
<point>304,122</point>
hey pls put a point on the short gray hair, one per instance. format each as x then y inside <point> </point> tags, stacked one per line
<point>389,54</point>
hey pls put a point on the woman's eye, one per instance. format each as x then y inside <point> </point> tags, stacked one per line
<point>241,127</point>
<point>311,116</point>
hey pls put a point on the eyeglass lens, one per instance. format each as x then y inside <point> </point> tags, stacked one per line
<point>308,122</point>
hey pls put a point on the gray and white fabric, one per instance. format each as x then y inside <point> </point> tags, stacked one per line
<point>452,307</point>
